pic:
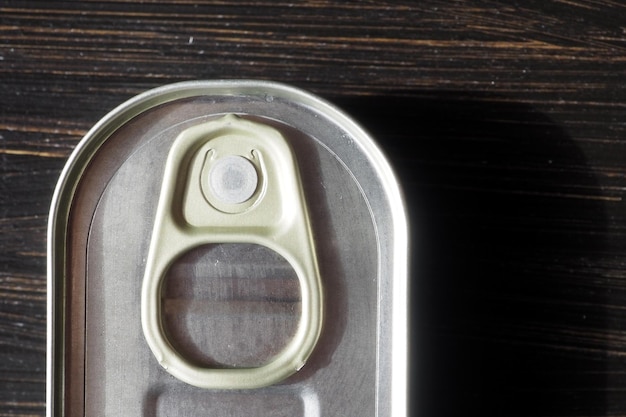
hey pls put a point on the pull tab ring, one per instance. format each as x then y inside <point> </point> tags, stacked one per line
<point>232,180</point>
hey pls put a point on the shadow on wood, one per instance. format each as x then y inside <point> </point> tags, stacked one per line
<point>507,220</point>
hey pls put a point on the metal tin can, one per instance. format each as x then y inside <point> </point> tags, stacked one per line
<point>227,248</point>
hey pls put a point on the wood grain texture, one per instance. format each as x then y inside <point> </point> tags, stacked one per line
<point>505,122</point>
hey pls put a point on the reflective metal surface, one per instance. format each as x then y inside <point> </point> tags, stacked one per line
<point>227,305</point>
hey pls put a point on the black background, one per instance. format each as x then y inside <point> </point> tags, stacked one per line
<point>505,122</point>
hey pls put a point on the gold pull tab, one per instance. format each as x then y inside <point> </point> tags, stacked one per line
<point>232,181</point>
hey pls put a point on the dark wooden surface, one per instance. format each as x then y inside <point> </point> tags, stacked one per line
<point>506,122</point>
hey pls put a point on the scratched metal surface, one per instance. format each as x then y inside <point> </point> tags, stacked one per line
<point>229,305</point>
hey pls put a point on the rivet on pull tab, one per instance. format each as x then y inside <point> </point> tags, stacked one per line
<point>232,180</point>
